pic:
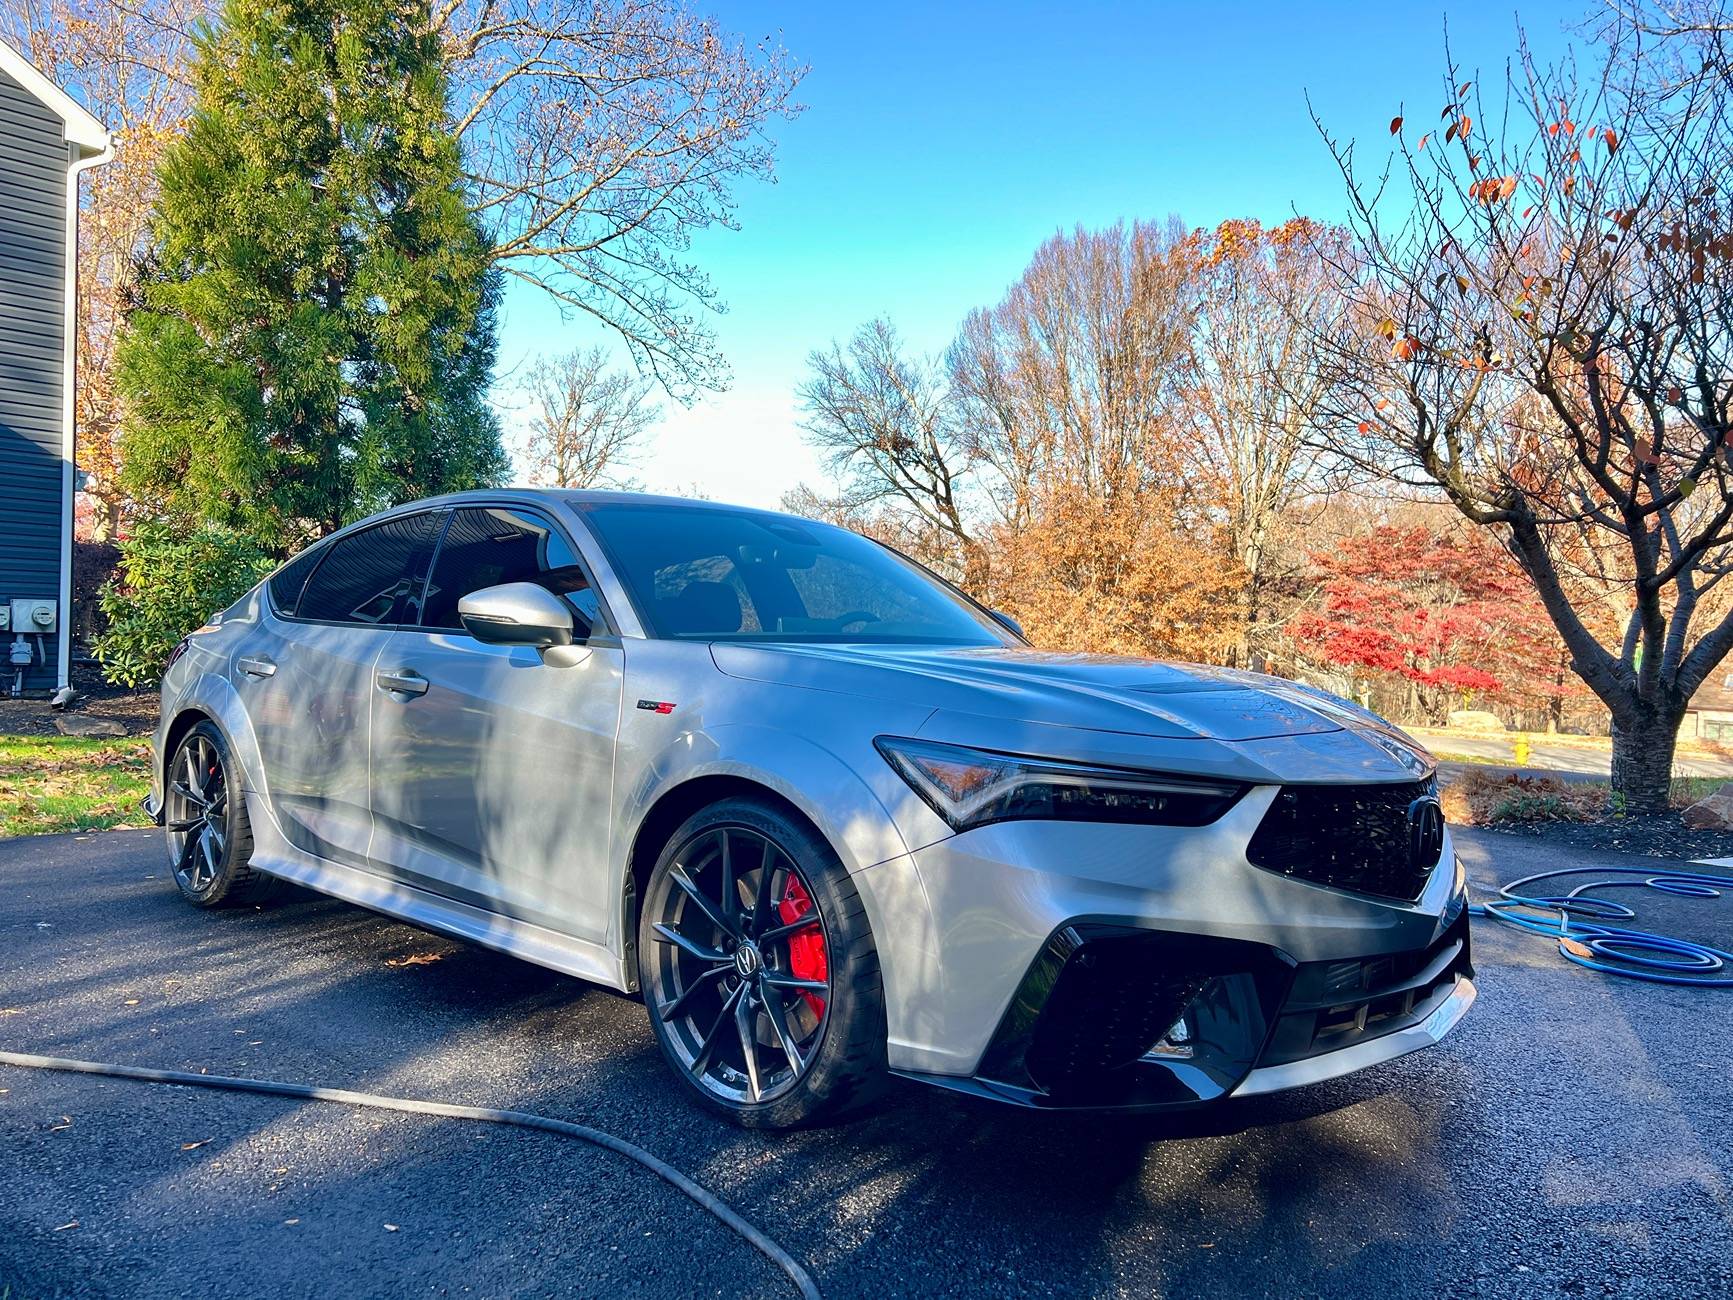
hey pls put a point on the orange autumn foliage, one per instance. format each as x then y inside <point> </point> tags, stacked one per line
<point>1117,576</point>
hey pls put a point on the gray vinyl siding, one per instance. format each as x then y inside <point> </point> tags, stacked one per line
<point>33,166</point>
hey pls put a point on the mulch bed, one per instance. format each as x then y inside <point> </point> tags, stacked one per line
<point>1663,835</point>
<point>136,710</point>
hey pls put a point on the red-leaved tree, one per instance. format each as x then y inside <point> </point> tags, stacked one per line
<point>1446,615</point>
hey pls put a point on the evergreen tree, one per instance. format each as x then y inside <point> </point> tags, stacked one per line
<point>313,330</point>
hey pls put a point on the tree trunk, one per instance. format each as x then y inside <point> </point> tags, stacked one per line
<point>1643,758</point>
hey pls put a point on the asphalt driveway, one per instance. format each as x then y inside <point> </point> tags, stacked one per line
<point>1574,1137</point>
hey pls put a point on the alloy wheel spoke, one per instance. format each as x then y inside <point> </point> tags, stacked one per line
<point>213,782</point>
<point>192,796</point>
<point>668,934</point>
<point>761,905</point>
<point>730,887</point>
<point>208,853</point>
<point>192,767</point>
<point>701,1062</point>
<point>712,913</point>
<point>189,847</point>
<point>745,1023</point>
<point>793,983</point>
<point>783,931</point>
<point>702,980</point>
<point>779,1022</point>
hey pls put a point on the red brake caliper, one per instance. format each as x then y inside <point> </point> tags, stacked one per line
<point>806,959</point>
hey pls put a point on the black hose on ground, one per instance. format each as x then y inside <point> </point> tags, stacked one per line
<point>521,1119</point>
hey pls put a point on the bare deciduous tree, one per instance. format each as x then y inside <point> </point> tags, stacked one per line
<point>885,424</point>
<point>1067,380</point>
<point>1254,388</point>
<point>584,420</point>
<point>1542,330</point>
<point>600,134</point>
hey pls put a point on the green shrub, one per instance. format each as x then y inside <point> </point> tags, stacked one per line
<point>170,582</point>
<point>1532,807</point>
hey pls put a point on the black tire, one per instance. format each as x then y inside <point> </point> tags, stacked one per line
<point>210,842</point>
<point>796,1049</point>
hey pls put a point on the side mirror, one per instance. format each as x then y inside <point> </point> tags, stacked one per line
<point>517,613</point>
<point>1006,621</point>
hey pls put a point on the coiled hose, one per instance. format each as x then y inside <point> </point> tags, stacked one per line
<point>521,1119</point>
<point>1572,920</point>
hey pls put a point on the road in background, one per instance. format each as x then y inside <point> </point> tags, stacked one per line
<point>1574,1137</point>
<point>1558,758</point>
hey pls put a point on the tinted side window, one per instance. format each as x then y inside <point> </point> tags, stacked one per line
<point>286,582</point>
<point>485,547</point>
<point>372,576</point>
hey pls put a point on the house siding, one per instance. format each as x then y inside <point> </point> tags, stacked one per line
<point>33,164</point>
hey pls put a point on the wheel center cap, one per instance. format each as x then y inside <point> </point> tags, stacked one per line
<point>747,962</point>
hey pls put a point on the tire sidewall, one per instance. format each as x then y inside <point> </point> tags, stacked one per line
<point>854,1018</point>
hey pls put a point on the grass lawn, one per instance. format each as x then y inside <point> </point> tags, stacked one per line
<point>1445,756</point>
<point>71,783</point>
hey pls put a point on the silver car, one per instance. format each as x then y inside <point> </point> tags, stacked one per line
<point>832,819</point>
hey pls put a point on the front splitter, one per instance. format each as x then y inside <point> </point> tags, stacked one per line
<point>1346,1060</point>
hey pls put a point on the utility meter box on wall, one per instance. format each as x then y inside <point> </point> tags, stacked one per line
<point>34,615</point>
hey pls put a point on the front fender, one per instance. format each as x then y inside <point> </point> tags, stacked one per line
<point>827,790</point>
<point>847,810</point>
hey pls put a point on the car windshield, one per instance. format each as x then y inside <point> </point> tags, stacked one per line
<point>715,574</point>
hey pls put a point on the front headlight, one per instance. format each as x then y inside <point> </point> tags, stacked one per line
<point>972,787</point>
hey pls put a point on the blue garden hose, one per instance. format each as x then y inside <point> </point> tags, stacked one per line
<point>1571,919</point>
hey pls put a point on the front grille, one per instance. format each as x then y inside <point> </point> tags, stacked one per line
<point>1356,837</point>
<point>1336,1004</point>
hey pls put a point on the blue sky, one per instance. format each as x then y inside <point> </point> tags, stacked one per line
<point>942,144</point>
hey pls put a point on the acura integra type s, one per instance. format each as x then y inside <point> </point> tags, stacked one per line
<point>830,818</point>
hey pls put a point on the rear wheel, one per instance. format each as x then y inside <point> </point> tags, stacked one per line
<point>759,970</point>
<point>209,837</point>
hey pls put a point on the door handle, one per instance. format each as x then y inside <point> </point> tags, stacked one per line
<point>405,681</point>
<point>256,667</point>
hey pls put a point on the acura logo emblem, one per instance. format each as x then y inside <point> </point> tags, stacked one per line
<point>1425,832</point>
<point>746,961</point>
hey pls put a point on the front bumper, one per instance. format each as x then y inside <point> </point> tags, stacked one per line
<point>1043,964</point>
<point>1110,1017</point>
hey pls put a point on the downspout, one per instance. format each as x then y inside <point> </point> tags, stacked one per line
<point>68,406</point>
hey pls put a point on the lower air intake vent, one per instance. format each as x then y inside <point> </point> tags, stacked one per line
<point>1372,839</point>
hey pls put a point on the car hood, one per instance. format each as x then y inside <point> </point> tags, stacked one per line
<point>1107,693</point>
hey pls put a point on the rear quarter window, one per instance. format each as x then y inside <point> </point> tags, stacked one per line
<point>371,576</point>
<point>286,583</point>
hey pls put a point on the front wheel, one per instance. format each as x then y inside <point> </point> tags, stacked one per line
<point>759,970</point>
<point>209,838</point>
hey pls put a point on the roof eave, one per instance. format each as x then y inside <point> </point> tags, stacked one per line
<point>83,132</point>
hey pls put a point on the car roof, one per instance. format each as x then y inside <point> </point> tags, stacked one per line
<point>575,497</point>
